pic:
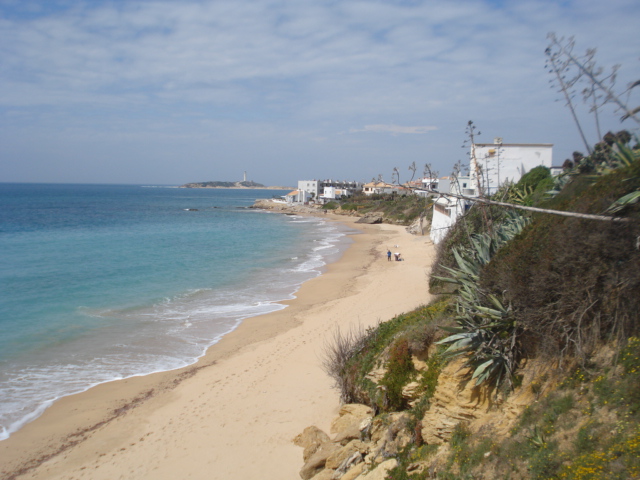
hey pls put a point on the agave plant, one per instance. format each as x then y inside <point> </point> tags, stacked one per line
<point>625,157</point>
<point>487,330</point>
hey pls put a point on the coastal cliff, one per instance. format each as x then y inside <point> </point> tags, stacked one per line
<point>526,367</point>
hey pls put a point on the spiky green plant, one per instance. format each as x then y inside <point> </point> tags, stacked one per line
<point>625,157</point>
<point>487,330</point>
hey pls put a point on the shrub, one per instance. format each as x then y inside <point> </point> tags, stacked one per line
<point>349,357</point>
<point>400,371</point>
<point>337,353</point>
<point>574,282</point>
<point>533,177</point>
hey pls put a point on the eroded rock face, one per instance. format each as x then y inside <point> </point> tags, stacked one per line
<point>364,446</point>
<point>318,460</point>
<point>351,474</point>
<point>326,474</point>
<point>350,418</point>
<point>333,459</point>
<point>454,401</point>
<point>310,439</point>
<point>351,454</point>
<point>380,472</point>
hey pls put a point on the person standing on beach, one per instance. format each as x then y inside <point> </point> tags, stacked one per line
<point>388,255</point>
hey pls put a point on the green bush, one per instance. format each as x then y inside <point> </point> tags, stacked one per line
<point>533,177</point>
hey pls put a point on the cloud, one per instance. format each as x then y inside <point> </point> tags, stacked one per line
<point>301,71</point>
<point>393,129</point>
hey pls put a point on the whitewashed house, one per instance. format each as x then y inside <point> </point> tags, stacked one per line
<point>493,164</point>
<point>490,166</point>
<point>319,190</point>
<point>383,187</point>
<point>297,196</point>
<point>427,187</point>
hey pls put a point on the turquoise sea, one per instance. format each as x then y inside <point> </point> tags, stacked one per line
<point>102,282</point>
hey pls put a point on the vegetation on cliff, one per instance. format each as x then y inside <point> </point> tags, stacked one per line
<point>528,365</point>
<point>393,208</point>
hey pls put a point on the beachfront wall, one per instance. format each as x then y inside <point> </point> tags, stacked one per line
<point>445,214</point>
<point>506,162</point>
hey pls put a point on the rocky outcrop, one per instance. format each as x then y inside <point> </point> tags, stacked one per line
<point>365,446</point>
<point>287,208</point>
<point>420,226</point>
<point>360,449</point>
<point>311,439</point>
<point>454,401</point>
<point>370,218</point>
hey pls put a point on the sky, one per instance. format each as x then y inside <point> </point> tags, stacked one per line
<point>161,92</point>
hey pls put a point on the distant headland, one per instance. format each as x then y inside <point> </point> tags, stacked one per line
<point>243,184</point>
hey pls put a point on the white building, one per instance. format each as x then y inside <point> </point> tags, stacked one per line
<point>297,196</point>
<point>372,188</point>
<point>312,187</point>
<point>493,164</point>
<point>334,193</point>
<point>317,189</point>
<point>446,210</point>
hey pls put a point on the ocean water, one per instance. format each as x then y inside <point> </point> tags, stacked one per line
<point>103,282</point>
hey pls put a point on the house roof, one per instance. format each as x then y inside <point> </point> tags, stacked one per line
<point>381,185</point>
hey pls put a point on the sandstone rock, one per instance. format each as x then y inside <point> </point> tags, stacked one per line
<point>348,434</point>
<point>310,439</point>
<point>325,474</point>
<point>346,453</point>
<point>453,402</point>
<point>380,472</point>
<point>418,227</point>
<point>410,390</point>
<point>419,364</point>
<point>370,218</point>
<point>376,374</point>
<point>348,464</point>
<point>352,473</point>
<point>351,416</point>
<point>318,460</point>
<point>378,429</point>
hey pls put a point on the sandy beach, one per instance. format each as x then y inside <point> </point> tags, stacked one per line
<point>232,415</point>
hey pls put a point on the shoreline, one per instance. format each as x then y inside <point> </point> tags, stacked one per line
<point>249,395</point>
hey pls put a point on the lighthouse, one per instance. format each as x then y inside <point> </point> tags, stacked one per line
<point>245,176</point>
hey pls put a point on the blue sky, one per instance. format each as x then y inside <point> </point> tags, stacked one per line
<point>166,92</point>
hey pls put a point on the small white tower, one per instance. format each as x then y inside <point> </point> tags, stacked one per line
<point>245,177</point>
